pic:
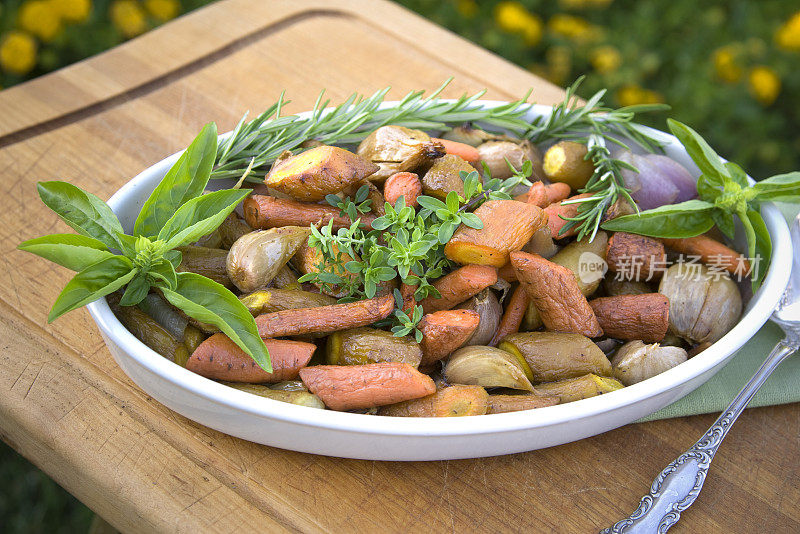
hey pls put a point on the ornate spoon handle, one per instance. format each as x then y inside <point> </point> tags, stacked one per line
<point>679,484</point>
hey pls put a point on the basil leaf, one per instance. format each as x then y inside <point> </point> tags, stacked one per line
<point>710,187</point>
<point>84,212</point>
<point>184,181</point>
<point>164,271</point>
<point>127,244</point>
<point>687,219</point>
<point>737,174</point>
<point>701,153</point>
<point>200,216</point>
<point>136,291</point>
<point>763,246</point>
<point>209,302</point>
<point>724,221</point>
<point>174,257</point>
<point>72,251</point>
<point>784,187</point>
<point>93,282</point>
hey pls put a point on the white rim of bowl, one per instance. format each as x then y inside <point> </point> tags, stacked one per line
<point>770,293</point>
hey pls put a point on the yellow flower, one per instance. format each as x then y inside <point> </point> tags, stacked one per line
<point>725,64</point>
<point>72,10</point>
<point>163,9</point>
<point>764,84</point>
<point>39,18</point>
<point>605,59</point>
<point>18,52</point>
<point>571,27</point>
<point>514,18</point>
<point>128,17</point>
<point>467,8</point>
<point>631,95</point>
<point>581,4</point>
<point>788,35</point>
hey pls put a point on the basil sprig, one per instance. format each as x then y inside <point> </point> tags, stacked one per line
<point>177,213</point>
<point>724,193</point>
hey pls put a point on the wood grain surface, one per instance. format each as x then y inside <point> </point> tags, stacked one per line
<point>66,406</point>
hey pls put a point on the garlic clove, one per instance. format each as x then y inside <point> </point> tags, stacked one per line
<point>487,367</point>
<point>255,258</point>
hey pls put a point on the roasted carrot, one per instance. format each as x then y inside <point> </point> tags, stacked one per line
<point>402,184</point>
<point>263,211</point>
<point>507,273</point>
<point>351,387</point>
<point>543,195</point>
<point>452,401</point>
<point>512,317</point>
<point>462,150</point>
<point>459,285</point>
<point>445,331</point>
<point>557,214</point>
<point>324,319</point>
<point>711,252</point>
<point>554,291</point>
<point>221,359</point>
<point>635,257</point>
<point>631,317</point>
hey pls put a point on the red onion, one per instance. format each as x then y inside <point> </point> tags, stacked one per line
<point>660,180</point>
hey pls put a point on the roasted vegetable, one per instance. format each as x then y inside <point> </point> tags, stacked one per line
<point>324,319</point>
<point>635,257</point>
<point>353,387</point>
<point>541,243</point>
<point>301,398</point>
<point>255,258</point>
<point>468,135</point>
<point>585,260</point>
<point>614,287</point>
<point>445,331</point>
<point>402,184</point>
<point>264,211</point>
<point>634,361</point>
<point>309,259</point>
<point>486,305</point>
<point>149,332</point>
<point>516,403</point>
<point>231,229</point>
<point>209,262</point>
<point>397,148</point>
<point>458,286</point>
<point>221,359</point>
<point>487,367</point>
<point>452,401</point>
<point>359,346</point>
<point>552,356</point>
<point>555,294</point>
<point>495,153</point>
<point>630,317</point>
<point>272,300</point>
<point>445,176</point>
<point>703,305</point>
<point>507,226</point>
<point>312,174</point>
<point>574,389</point>
<point>566,162</point>
<point>285,278</point>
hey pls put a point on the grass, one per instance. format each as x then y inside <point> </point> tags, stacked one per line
<point>32,503</point>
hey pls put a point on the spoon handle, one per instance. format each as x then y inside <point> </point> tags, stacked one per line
<point>679,484</point>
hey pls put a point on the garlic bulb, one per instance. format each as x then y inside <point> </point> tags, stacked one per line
<point>703,305</point>
<point>634,361</point>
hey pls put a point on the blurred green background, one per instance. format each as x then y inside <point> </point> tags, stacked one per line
<point>730,68</point>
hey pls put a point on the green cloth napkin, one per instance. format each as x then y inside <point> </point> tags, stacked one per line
<point>782,387</point>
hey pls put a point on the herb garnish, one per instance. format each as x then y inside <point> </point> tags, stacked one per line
<point>724,192</point>
<point>176,213</point>
<point>403,244</point>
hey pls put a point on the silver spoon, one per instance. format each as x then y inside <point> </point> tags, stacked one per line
<point>679,484</point>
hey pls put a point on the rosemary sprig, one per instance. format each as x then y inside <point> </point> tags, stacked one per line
<point>264,138</point>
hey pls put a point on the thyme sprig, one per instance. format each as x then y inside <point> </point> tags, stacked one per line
<point>404,244</point>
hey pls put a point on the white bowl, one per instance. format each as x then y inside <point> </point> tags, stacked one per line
<point>388,438</point>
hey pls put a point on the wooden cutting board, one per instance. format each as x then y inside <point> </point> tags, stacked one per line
<point>66,406</point>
